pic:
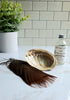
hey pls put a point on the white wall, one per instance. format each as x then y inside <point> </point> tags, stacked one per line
<point>48,19</point>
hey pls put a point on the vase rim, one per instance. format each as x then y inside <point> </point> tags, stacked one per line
<point>8,32</point>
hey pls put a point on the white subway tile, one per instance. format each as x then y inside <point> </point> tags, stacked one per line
<point>54,6</point>
<point>53,24</point>
<point>51,33</point>
<point>39,24</point>
<point>66,6</point>
<point>31,33</point>
<point>22,14</point>
<point>26,25</point>
<point>69,15</point>
<point>67,42</point>
<point>34,15</point>
<point>25,41</point>
<point>33,0</point>
<point>14,2</point>
<point>39,5</point>
<point>46,0</point>
<point>39,42</point>
<point>62,0</point>
<point>61,16</point>
<point>51,42</point>
<point>65,25</point>
<point>26,5</point>
<point>21,33</point>
<point>46,34</point>
<point>68,35</point>
<point>46,15</point>
<point>56,33</point>
<point>46,22</point>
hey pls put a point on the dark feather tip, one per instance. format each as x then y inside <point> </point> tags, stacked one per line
<point>29,74</point>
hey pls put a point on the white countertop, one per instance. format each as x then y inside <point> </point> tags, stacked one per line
<point>23,49</point>
<point>61,71</point>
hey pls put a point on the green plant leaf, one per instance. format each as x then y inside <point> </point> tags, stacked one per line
<point>10,16</point>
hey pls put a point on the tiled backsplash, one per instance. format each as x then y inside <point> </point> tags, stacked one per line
<point>48,19</point>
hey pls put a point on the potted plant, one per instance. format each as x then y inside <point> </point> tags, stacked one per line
<point>10,18</point>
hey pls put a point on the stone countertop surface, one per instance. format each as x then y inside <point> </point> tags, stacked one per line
<point>20,54</point>
<point>61,71</point>
<point>23,49</point>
